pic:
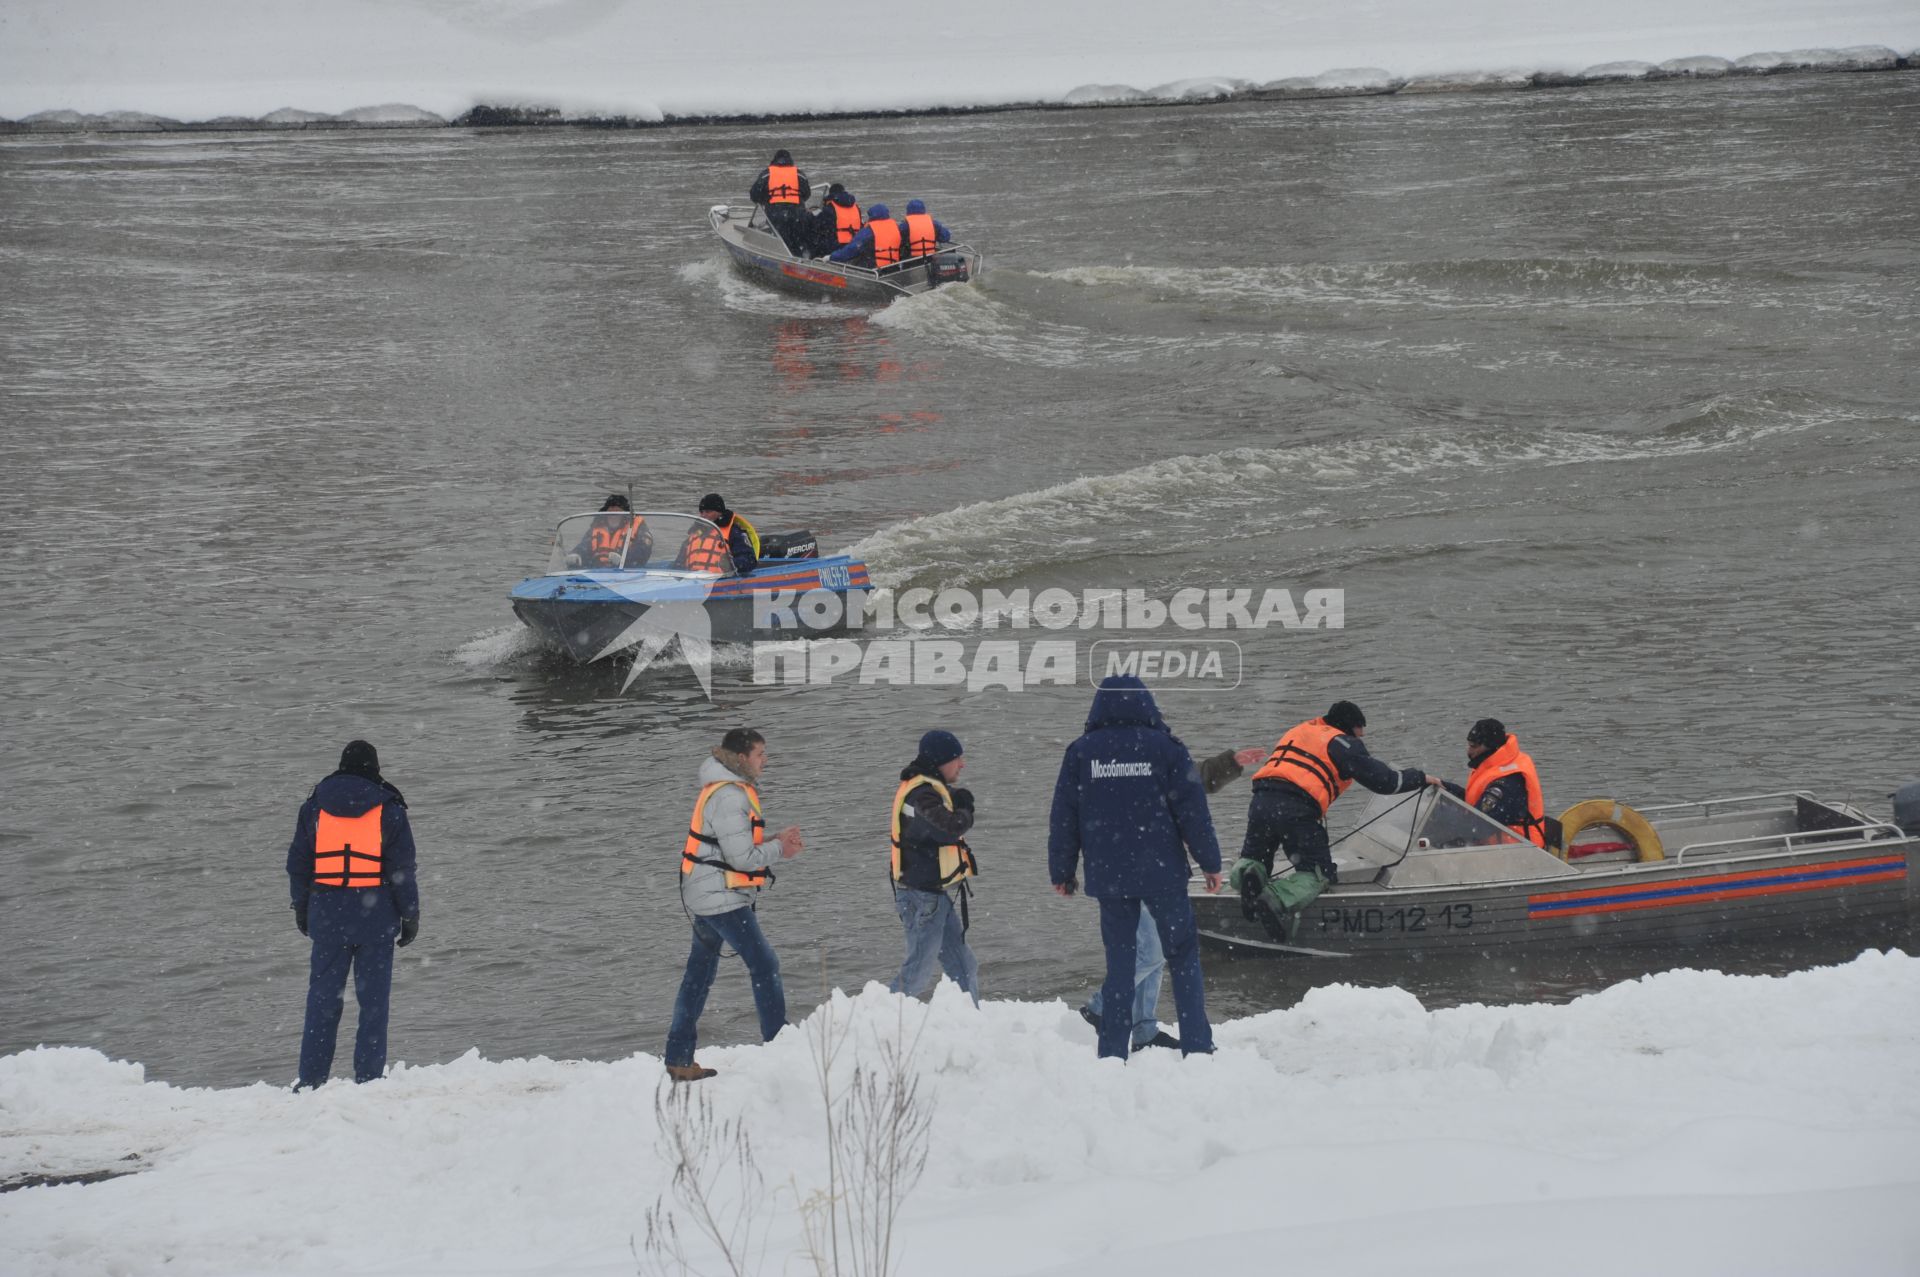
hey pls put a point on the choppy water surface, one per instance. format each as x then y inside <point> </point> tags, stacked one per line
<point>1599,405</point>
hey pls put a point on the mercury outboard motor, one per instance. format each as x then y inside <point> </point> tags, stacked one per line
<point>1906,808</point>
<point>789,545</point>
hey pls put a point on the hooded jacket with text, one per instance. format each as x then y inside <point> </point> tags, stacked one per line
<point>1129,800</point>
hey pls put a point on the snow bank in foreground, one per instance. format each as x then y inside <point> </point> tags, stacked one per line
<point>69,63</point>
<point>1688,1122</point>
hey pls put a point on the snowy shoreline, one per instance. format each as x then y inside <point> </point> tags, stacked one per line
<point>1340,83</point>
<point>1743,1124</point>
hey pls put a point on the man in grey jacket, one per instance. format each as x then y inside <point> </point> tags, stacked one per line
<point>728,857</point>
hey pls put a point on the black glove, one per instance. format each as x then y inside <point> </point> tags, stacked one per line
<point>300,917</point>
<point>962,799</point>
<point>409,928</point>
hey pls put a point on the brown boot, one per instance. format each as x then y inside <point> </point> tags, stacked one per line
<point>689,1072</point>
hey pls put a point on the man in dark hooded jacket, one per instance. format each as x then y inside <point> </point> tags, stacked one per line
<point>1129,798</point>
<point>350,868</point>
<point>783,190</point>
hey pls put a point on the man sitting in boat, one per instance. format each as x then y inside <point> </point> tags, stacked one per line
<point>783,190</point>
<point>881,242</point>
<point>741,539</point>
<point>924,235</point>
<point>1504,783</point>
<point>609,535</point>
<point>837,222</point>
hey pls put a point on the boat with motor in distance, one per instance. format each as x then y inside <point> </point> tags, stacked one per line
<point>1424,874</point>
<point>761,255</point>
<point>610,568</point>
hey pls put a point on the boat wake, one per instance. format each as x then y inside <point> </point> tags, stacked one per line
<point>717,275</point>
<point>1200,500</point>
<point>1440,285</point>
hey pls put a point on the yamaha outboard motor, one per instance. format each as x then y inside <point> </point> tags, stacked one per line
<point>1906,808</point>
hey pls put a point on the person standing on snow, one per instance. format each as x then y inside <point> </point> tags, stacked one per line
<point>726,860</point>
<point>931,865</point>
<point>1129,798</point>
<point>350,868</point>
<point>1149,960</point>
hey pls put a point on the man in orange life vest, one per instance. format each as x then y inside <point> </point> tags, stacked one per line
<point>742,538</point>
<point>924,235</point>
<point>930,859</point>
<point>1504,784</point>
<point>607,540</point>
<point>1310,766</point>
<point>351,870</point>
<point>726,859</point>
<point>881,242</point>
<point>837,222</point>
<point>783,191</point>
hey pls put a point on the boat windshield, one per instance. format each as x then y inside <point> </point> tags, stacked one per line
<point>1431,838</point>
<point>1394,824</point>
<point>612,540</point>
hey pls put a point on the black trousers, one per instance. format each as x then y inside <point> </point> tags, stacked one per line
<point>1279,820</point>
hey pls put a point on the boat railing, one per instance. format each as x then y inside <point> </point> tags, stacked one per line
<point>1865,832</point>
<point>1707,807</point>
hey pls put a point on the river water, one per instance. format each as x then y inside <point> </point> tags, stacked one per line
<point>1599,406</point>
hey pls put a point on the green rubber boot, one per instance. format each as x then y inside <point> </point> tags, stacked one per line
<point>1279,905</point>
<point>1248,878</point>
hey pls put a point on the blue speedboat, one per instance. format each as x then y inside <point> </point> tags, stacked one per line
<point>609,569</point>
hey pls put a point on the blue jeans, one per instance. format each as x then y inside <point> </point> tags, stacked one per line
<point>1149,961</point>
<point>933,931</point>
<point>1119,926</point>
<point>351,930</point>
<point>741,929</point>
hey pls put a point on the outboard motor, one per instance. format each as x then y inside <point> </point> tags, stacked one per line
<point>789,545</point>
<point>1906,808</point>
<point>948,268</point>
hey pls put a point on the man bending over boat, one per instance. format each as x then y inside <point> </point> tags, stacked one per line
<point>783,190</point>
<point>1504,784</point>
<point>1313,764</point>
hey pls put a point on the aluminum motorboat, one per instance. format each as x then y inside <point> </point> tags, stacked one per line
<point>1425,874</point>
<point>761,255</point>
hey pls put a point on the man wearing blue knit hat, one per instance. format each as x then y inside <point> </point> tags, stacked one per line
<point>931,865</point>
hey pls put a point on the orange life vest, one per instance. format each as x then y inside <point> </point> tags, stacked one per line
<point>956,858</point>
<point>886,241</point>
<point>783,184</point>
<point>609,544</point>
<point>1301,757</point>
<point>707,550</point>
<point>846,223</point>
<point>921,237</point>
<point>346,849</point>
<point>1509,761</point>
<point>690,855</point>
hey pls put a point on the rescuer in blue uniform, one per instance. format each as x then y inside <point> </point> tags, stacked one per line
<point>1129,800</point>
<point>350,868</point>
